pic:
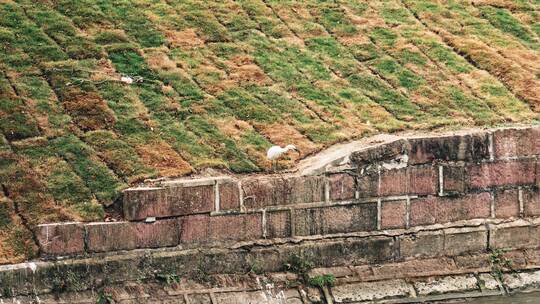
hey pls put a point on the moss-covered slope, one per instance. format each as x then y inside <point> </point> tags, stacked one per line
<point>218,82</point>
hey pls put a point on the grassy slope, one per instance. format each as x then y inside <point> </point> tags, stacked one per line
<point>224,80</point>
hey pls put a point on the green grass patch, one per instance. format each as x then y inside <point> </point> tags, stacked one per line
<point>503,20</point>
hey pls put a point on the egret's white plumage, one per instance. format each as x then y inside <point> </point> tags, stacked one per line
<point>275,152</point>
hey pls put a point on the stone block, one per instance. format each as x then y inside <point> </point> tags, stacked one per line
<point>342,187</point>
<point>414,268</point>
<point>393,214</point>
<point>455,179</point>
<point>372,291</point>
<point>502,173</point>
<point>447,284</point>
<point>229,196</point>
<point>61,238</point>
<point>205,228</point>
<point>412,180</point>
<point>469,147</point>
<point>382,152</point>
<point>271,191</point>
<point>516,142</point>
<point>422,244</point>
<point>174,200</point>
<point>514,236</point>
<point>278,224</point>
<point>435,210</point>
<point>113,236</point>
<point>335,219</point>
<point>459,241</point>
<point>507,203</point>
<point>531,202</point>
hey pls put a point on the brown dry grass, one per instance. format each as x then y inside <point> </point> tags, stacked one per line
<point>90,111</point>
<point>163,158</point>
<point>187,38</point>
<point>158,60</point>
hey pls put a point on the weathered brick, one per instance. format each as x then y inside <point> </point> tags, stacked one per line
<point>411,180</point>
<point>61,238</point>
<point>229,196</point>
<point>531,202</point>
<point>278,224</point>
<point>455,179</point>
<point>271,191</point>
<point>368,184</point>
<point>470,147</point>
<point>502,173</point>
<point>516,142</point>
<point>386,151</point>
<point>514,236</point>
<point>336,219</point>
<point>203,228</point>
<point>393,214</point>
<point>432,209</point>
<point>342,186</point>
<point>175,200</point>
<point>506,203</point>
<point>423,180</point>
<point>428,244</point>
<point>113,236</point>
<point>414,268</point>
<point>458,241</point>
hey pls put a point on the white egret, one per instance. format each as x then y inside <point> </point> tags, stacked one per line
<point>275,152</point>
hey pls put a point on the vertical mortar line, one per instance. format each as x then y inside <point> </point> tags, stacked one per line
<point>521,203</point>
<point>241,196</point>
<point>326,189</point>
<point>264,223</point>
<point>490,147</point>
<point>213,298</point>
<point>293,226</point>
<point>379,213</point>
<point>216,196</point>
<point>492,205</point>
<point>186,299</point>
<point>441,180</point>
<point>408,212</point>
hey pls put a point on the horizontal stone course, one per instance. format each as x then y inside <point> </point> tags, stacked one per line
<point>515,236</point>
<point>205,228</point>
<point>502,173</point>
<point>61,239</point>
<point>260,192</point>
<point>517,142</point>
<point>113,236</point>
<point>433,209</point>
<point>336,219</point>
<point>174,200</point>
<point>419,180</point>
<point>468,147</point>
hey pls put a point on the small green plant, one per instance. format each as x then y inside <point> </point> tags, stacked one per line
<point>322,280</point>
<point>256,267</point>
<point>299,264</point>
<point>104,298</point>
<point>168,278</point>
<point>499,263</point>
<point>201,274</point>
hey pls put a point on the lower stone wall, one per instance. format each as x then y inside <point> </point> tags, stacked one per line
<point>423,280</point>
<point>460,247</point>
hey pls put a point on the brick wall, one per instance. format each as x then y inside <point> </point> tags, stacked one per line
<point>396,188</point>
